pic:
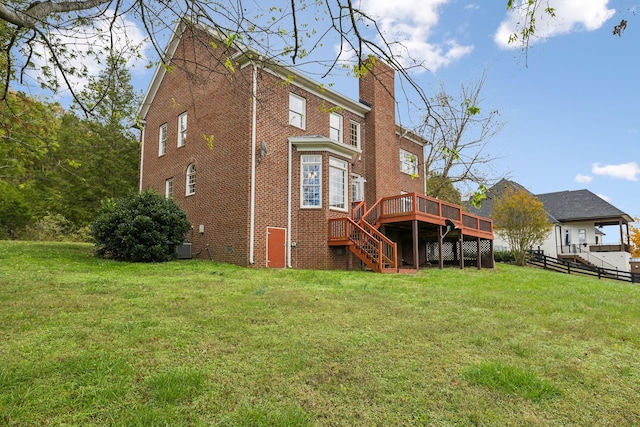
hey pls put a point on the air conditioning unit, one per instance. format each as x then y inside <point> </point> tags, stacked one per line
<point>184,251</point>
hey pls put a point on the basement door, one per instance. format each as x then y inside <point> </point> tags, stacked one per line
<point>276,247</point>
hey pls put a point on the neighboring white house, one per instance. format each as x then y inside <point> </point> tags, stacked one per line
<point>578,217</point>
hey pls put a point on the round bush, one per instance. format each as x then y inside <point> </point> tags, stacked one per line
<point>143,227</point>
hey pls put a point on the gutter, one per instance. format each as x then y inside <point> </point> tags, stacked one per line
<point>141,155</point>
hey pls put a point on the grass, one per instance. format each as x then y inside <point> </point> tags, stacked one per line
<point>86,341</point>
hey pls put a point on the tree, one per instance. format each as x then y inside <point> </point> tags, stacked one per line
<point>57,33</point>
<point>458,132</point>
<point>14,211</point>
<point>442,188</point>
<point>143,227</point>
<point>635,241</point>
<point>97,157</point>
<point>520,218</point>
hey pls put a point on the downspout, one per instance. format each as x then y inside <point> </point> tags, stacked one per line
<point>424,172</point>
<point>252,207</point>
<point>141,154</point>
<point>290,154</point>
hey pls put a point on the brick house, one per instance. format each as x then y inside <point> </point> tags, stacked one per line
<point>275,170</point>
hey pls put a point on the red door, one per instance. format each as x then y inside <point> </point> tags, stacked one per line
<point>276,245</point>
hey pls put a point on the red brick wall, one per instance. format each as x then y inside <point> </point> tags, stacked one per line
<point>219,106</point>
<point>217,103</point>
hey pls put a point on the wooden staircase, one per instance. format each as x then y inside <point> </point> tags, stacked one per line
<point>576,259</point>
<point>372,247</point>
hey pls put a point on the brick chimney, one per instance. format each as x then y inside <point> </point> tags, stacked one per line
<point>377,90</point>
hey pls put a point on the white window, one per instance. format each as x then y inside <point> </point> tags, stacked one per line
<point>168,188</point>
<point>357,188</point>
<point>162,140</point>
<point>335,127</point>
<point>297,111</point>
<point>337,184</point>
<point>311,181</point>
<point>191,179</point>
<point>182,129</point>
<point>354,134</point>
<point>582,236</point>
<point>408,163</point>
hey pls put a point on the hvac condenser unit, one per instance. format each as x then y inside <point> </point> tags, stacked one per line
<point>184,251</point>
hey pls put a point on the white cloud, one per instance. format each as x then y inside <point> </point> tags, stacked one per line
<point>628,171</point>
<point>603,197</point>
<point>570,15</point>
<point>128,39</point>
<point>412,25</point>
<point>584,179</point>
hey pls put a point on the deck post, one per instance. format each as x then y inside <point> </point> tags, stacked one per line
<point>461,243</point>
<point>414,227</point>
<point>478,254</point>
<point>440,260</point>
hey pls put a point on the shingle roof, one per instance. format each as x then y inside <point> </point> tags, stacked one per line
<point>561,206</point>
<point>494,193</point>
<point>579,205</point>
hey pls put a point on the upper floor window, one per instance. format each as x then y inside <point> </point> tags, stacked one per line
<point>162,140</point>
<point>168,188</point>
<point>310,181</point>
<point>408,162</point>
<point>335,127</point>
<point>182,129</point>
<point>357,188</point>
<point>354,134</point>
<point>337,184</point>
<point>191,179</point>
<point>297,111</point>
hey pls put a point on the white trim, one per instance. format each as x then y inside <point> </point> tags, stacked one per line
<point>168,188</point>
<point>182,132</point>
<point>162,139</point>
<point>187,184</point>
<point>405,159</point>
<point>319,177</point>
<point>322,143</point>
<point>359,134</point>
<point>301,114</point>
<point>342,166</point>
<point>285,72</point>
<point>161,70</point>
<point>339,129</point>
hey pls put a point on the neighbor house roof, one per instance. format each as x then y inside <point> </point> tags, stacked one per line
<point>561,206</point>
<point>580,205</point>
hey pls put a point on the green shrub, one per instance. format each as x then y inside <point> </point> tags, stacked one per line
<point>50,228</point>
<point>143,227</point>
<point>504,256</point>
<point>15,214</point>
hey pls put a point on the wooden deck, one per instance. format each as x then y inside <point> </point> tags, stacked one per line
<point>414,206</point>
<point>363,232</point>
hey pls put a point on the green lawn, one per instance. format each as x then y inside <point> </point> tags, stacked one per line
<point>85,341</point>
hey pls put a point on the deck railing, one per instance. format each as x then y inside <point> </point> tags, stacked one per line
<point>427,207</point>
<point>373,247</point>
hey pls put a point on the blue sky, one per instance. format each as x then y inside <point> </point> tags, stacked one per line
<point>570,107</point>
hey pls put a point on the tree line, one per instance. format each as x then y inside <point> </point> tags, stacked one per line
<point>57,165</point>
